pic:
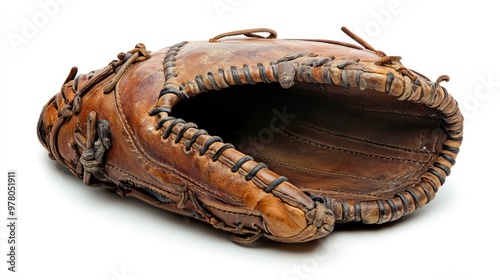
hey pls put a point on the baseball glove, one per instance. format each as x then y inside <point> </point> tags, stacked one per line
<point>259,136</point>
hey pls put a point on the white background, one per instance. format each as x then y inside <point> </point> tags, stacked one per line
<point>69,231</point>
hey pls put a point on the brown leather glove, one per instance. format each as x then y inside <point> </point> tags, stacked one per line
<point>309,133</point>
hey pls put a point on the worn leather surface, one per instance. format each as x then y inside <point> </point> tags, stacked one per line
<point>345,133</point>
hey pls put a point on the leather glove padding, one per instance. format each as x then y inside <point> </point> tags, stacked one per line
<point>259,136</point>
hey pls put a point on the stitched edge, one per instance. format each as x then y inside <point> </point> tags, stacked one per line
<point>398,82</point>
